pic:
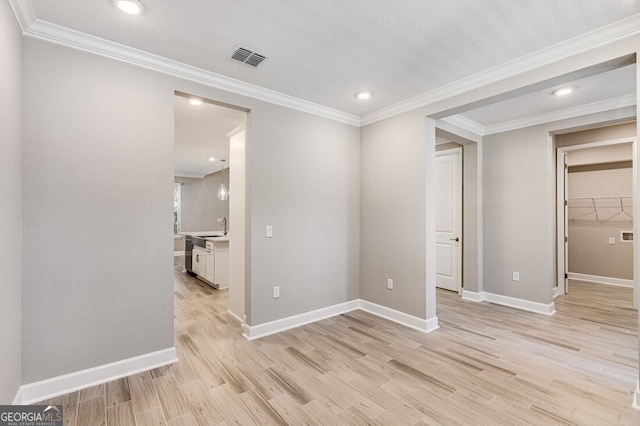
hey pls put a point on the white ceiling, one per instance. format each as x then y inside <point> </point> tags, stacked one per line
<point>325,51</point>
<point>606,90</point>
<point>200,133</point>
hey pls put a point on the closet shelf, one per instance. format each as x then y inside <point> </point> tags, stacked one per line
<point>617,208</point>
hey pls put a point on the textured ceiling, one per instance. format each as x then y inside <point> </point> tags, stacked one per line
<point>325,51</point>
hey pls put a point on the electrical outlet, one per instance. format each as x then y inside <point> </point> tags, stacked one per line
<point>276,292</point>
<point>268,231</point>
<point>389,283</point>
<point>516,276</point>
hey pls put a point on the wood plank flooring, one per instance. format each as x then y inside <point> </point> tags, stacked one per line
<point>487,365</point>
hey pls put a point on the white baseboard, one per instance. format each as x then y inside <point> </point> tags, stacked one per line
<point>60,385</point>
<point>235,317</point>
<point>262,330</point>
<point>426,325</point>
<point>620,282</point>
<point>499,299</point>
<point>178,253</point>
<point>472,296</point>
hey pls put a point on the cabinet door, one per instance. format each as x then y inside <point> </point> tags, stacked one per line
<point>209,266</point>
<point>199,261</point>
<point>222,264</point>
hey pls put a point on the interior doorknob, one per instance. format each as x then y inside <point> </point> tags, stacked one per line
<point>456,239</point>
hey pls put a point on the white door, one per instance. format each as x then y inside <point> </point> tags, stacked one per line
<point>449,219</point>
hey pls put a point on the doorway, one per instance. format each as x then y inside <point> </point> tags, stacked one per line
<point>210,139</point>
<point>449,219</point>
<point>595,188</point>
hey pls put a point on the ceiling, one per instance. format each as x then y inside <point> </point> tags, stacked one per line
<point>200,133</point>
<point>320,53</point>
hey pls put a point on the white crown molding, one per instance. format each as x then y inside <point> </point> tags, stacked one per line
<point>23,12</point>
<point>564,114</point>
<point>578,111</point>
<point>237,130</point>
<point>465,124</point>
<point>583,43</point>
<point>47,31</point>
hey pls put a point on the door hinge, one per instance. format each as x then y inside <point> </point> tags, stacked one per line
<point>566,202</point>
<point>566,276</point>
<point>566,239</point>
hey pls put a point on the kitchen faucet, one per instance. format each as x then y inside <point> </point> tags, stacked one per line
<point>224,225</point>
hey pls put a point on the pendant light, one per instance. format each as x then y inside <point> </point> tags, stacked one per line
<point>223,194</point>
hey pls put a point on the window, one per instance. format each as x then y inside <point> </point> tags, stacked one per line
<point>177,207</point>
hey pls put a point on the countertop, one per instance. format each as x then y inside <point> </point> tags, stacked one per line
<point>215,236</point>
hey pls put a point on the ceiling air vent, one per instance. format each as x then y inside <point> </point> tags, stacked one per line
<point>247,56</point>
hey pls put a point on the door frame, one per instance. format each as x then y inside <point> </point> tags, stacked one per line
<point>458,151</point>
<point>561,286</point>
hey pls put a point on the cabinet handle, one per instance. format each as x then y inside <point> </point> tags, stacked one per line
<point>197,258</point>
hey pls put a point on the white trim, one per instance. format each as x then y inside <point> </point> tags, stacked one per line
<point>472,296</point>
<point>261,330</point>
<point>46,31</point>
<point>512,302</point>
<point>563,114</point>
<point>17,400</point>
<point>178,253</point>
<point>237,130</point>
<point>283,324</point>
<point>60,385</point>
<point>53,33</point>
<point>464,123</point>
<point>420,324</point>
<point>620,282</point>
<point>235,317</point>
<point>636,397</point>
<point>23,12</point>
<point>539,59</point>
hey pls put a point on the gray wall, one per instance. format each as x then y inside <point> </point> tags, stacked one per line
<point>518,188</point>
<point>200,204</point>
<point>11,196</point>
<point>393,212</point>
<point>304,181</point>
<point>98,187</point>
<point>99,177</point>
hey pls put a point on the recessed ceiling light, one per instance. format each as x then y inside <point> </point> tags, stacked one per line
<point>363,95</point>
<point>195,101</point>
<point>132,7</point>
<point>562,91</point>
<point>212,159</point>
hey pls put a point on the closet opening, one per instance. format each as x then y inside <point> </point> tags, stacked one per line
<point>595,192</point>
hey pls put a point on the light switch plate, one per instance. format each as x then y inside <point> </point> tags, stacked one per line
<point>516,276</point>
<point>612,240</point>
<point>268,232</point>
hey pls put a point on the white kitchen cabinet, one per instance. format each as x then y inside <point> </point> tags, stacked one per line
<point>199,261</point>
<point>222,264</point>
<point>209,273</point>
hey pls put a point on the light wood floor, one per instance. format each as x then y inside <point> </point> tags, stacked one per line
<point>486,365</point>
